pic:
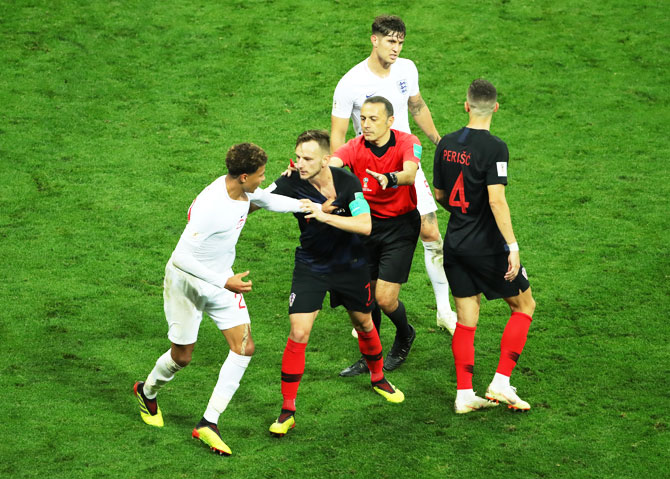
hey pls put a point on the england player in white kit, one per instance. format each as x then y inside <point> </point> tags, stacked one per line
<point>384,74</point>
<point>199,278</point>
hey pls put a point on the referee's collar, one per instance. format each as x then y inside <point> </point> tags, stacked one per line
<point>379,151</point>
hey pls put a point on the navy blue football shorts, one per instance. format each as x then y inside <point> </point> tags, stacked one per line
<point>349,288</point>
<point>471,275</point>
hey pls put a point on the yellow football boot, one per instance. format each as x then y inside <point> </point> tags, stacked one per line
<point>149,410</point>
<point>389,391</point>
<point>284,422</point>
<point>209,434</point>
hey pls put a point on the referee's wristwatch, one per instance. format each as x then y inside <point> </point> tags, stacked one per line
<point>392,180</point>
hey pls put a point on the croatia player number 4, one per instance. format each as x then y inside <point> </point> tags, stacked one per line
<point>459,190</point>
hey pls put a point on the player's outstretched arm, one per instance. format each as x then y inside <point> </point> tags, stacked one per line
<point>276,203</point>
<point>360,224</point>
<point>422,116</point>
<point>503,217</point>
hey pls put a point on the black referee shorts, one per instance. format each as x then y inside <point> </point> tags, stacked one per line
<point>471,275</point>
<point>391,246</point>
<point>349,288</point>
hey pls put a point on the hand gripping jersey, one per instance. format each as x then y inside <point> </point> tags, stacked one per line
<point>322,247</point>
<point>357,154</point>
<point>466,162</point>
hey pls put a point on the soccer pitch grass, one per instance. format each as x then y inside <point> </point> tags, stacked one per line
<point>116,114</point>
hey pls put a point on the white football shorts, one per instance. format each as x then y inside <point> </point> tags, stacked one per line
<point>425,202</point>
<point>186,297</point>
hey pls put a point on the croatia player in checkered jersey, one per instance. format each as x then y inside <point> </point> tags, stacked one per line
<point>384,74</point>
<point>199,278</point>
<point>481,254</point>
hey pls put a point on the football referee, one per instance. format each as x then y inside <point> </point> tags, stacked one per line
<point>386,161</point>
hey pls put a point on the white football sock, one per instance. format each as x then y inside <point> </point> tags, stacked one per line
<point>162,373</point>
<point>434,258</point>
<point>500,381</point>
<point>230,375</point>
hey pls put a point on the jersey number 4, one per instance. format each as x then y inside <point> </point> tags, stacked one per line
<point>459,190</point>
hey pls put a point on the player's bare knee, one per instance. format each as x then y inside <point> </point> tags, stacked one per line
<point>388,304</point>
<point>429,229</point>
<point>529,306</point>
<point>299,335</point>
<point>182,357</point>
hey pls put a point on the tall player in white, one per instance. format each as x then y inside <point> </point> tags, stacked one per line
<point>383,73</point>
<point>199,278</point>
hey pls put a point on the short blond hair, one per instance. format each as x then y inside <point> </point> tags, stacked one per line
<point>482,97</point>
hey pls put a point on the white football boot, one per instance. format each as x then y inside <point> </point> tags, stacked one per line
<point>447,322</point>
<point>507,395</point>
<point>473,403</point>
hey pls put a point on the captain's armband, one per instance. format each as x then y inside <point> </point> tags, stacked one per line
<point>359,205</point>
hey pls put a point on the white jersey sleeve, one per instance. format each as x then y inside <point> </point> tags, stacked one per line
<point>412,79</point>
<point>183,258</point>
<point>343,99</point>
<point>272,202</point>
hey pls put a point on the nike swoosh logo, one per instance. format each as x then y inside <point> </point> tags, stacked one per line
<point>368,96</point>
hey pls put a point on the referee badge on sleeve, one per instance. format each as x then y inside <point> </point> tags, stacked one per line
<point>502,168</point>
<point>417,151</point>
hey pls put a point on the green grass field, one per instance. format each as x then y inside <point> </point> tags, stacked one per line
<point>116,114</point>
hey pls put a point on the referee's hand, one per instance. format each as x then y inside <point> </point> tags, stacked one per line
<point>381,179</point>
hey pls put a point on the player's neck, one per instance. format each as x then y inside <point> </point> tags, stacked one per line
<point>377,67</point>
<point>323,180</point>
<point>234,189</point>
<point>479,123</point>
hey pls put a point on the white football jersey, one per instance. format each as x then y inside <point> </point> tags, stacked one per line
<point>360,83</point>
<point>206,248</point>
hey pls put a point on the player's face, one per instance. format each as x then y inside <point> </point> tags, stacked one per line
<point>388,47</point>
<point>309,159</point>
<point>254,180</point>
<point>374,122</point>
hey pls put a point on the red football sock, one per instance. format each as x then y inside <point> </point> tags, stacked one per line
<point>292,368</point>
<point>371,348</point>
<point>463,347</point>
<point>512,342</point>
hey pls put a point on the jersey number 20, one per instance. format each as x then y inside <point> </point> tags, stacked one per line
<point>459,190</point>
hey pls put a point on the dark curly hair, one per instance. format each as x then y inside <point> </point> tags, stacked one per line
<point>245,158</point>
